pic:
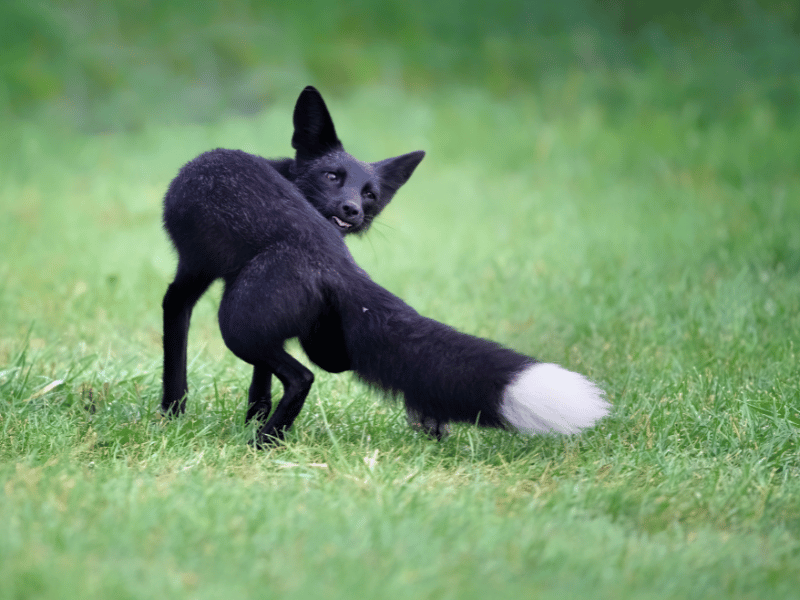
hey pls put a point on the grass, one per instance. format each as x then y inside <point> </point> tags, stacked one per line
<point>655,248</point>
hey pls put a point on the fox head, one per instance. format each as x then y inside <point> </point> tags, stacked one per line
<point>346,191</point>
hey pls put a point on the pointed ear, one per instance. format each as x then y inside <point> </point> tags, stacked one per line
<point>394,172</point>
<point>314,134</point>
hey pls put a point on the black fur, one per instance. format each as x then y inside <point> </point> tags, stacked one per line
<point>273,230</point>
<point>226,206</point>
<point>304,273</point>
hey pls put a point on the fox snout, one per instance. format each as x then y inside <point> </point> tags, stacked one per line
<point>352,211</point>
<point>349,214</point>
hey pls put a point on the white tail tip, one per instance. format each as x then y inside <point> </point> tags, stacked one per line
<point>546,398</point>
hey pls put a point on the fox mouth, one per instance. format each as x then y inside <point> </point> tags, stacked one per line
<point>343,225</point>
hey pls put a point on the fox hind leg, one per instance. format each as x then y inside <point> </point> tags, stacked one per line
<point>430,426</point>
<point>260,395</point>
<point>296,380</point>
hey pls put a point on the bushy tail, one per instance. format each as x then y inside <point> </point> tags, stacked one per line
<point>547,398</point>
<point>447,376</point>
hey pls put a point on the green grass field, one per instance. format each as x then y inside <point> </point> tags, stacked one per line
<point>636,221</point>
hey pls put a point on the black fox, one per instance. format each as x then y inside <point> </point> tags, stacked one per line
<point>219,208</point>
<point>288,274</point>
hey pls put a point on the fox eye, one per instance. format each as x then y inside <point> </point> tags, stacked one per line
<point>331,176</point>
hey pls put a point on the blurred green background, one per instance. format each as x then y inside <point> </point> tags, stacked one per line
<point>107,65</point>
<point>609,185</point>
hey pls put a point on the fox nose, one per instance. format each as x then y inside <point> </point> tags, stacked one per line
<point>351,210</point>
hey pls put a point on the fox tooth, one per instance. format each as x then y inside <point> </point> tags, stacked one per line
<point>341,223</point>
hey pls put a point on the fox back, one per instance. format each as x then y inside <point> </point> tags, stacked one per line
<point>220,209</point>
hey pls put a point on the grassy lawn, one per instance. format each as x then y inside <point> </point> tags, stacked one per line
<point>649,242</point>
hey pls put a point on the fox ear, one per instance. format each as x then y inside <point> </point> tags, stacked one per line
<point>314,134</point>
<point>394,172</point>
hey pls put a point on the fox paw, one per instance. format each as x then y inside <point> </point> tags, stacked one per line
<point>428,425</point>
